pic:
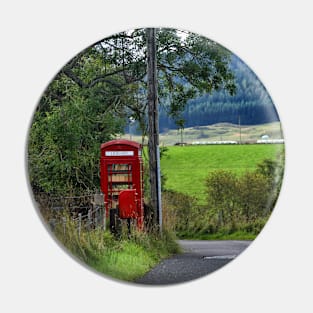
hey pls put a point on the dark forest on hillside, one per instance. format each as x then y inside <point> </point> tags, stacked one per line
<point>251,105</point>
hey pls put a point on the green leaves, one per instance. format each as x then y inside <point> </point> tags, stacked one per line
<point>89,99</point>
<point>246,197</point>
<point>188,66</point>
<point>64,141</point>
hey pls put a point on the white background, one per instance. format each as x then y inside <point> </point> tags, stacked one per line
<point>274,38</point>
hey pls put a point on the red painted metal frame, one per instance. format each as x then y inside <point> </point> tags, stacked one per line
<point>121,168</point>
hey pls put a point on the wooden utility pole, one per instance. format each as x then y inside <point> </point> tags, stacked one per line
<point>153,128</point>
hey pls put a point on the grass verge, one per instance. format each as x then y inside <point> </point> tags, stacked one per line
<point>125,258</point>
<point>238,235</point>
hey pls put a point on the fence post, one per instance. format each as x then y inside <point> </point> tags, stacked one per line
<point>64,224</point>
<point>89,219</point>
<point>52,224</point>
<point>95,220</point>
<point>103,218</point>
<point>99,206</point>
<point>79,224</point>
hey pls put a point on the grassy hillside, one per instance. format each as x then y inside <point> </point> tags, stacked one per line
<point>186,167</point>
<point>221,131</point>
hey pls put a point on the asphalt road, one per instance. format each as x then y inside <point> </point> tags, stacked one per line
<point>199,258</point>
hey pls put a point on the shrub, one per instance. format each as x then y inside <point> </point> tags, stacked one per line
<point>222,194</point>
<point>252,195</point>
<point>178,210</point>
<point>273,171</point>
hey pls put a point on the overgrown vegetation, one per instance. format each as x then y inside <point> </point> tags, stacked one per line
<point>237,207</point>
<point>125,258</point>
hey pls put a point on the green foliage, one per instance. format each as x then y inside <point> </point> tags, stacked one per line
<point>233,198</point>
<point>178,210</point>
<point>186,168</point>
<point>89,100</point>
<point>189,68</point>
<point>243,202</point>
<point>253,195</point>
<point>237,207</point>
<point>64,140</point>
<point>222,194</point>
<point>125,259</point>
<point>273,172</point>
<point>186,68</point>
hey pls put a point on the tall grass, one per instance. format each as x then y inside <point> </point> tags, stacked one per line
<point>125,258</point>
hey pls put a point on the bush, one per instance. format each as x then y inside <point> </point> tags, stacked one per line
<point>273,171</point>
<point>179,210</point>
<point>240,203</point>
<point>222,194</point>
<point>237,206</point>
<point>253,195</point>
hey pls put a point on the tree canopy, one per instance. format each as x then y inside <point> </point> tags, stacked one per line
<point>188,66</point>
<point>90,98</point>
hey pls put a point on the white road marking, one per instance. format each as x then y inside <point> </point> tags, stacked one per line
<point>220,257</point>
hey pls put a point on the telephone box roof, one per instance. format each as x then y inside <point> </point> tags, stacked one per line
<point>121,142</point>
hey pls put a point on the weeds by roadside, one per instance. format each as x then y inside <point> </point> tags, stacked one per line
<point>125,258</point>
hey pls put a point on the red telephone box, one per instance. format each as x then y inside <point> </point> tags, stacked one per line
<point>121,173</point>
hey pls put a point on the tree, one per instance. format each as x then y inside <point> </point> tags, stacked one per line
<point>188,65</point>
<point>63,146</point>
<point>113,71</point>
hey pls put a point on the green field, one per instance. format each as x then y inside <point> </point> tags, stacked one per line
<point>186,167</point>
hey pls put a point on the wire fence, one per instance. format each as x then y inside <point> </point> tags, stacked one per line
<point>85,212</point>
<point>95,218</point>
